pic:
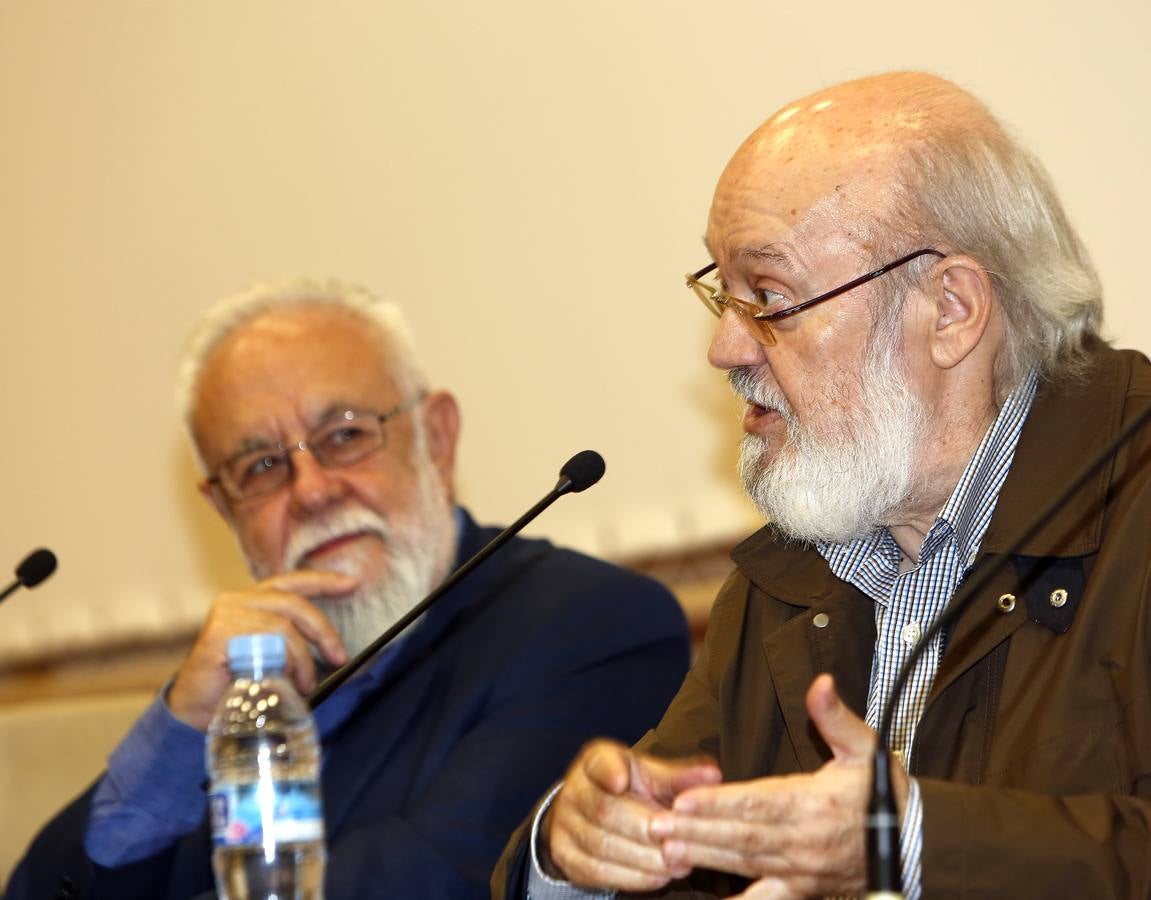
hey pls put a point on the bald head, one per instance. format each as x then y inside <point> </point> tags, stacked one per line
<point>869,170</point>
<point>837,152</point>
<point>858,116</point>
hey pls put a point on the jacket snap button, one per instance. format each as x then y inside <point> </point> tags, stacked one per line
<point>1006,603</point>
<point>820,620</point>
<point>1058,597</point>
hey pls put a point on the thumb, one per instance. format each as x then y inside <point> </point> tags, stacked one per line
<point>848,736</point>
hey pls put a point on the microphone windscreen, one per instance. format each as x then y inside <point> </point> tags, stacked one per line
<point>583,470</point>
<point>37,566</point>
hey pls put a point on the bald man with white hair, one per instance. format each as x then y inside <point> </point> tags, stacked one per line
<point>913,325</point>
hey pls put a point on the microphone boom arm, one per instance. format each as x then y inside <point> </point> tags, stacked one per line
<point>882,820</point>
<point>567,483</point>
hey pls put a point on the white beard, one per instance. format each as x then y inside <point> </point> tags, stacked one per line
<point>834,480</point>
<point>421,548</point>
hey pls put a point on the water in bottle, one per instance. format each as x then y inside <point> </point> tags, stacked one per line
<point>264,765</point>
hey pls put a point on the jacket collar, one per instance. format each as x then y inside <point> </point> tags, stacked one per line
<point>1069,424</point>
<point>785,569</point>
<point>359,749</point>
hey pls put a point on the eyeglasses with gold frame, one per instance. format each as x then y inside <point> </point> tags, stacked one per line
<point>758,319</point>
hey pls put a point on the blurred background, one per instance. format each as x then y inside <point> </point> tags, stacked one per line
<point>529,180</point>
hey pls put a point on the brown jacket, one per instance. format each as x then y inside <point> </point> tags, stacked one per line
<point>1034,752</point>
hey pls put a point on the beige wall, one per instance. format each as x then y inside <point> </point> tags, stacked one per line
<point>530,179</point>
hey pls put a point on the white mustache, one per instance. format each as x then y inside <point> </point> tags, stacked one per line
<point>753,389</point>
<point>345,521</point>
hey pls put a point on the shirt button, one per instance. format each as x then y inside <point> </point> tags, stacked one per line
<point>910,633</point>
<point>820,620</point>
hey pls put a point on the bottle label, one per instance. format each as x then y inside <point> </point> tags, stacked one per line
<point>253,813</point>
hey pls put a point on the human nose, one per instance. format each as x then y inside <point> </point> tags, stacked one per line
<point>313,487</point>
<point>733,344</point>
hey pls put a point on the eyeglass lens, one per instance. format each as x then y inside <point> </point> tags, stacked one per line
<point>336,443</point>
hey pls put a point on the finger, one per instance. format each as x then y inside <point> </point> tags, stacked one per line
<point>301,665</point>
<point>232,618</point>
<point>204,675</point>
<point>662,779</point>
<point>683,855</point>
<point>848,736</point>
<point>311,583</point>
<point>590,872</point>
<point>304,616</point>
<point>606,765</point>
<point>768,889</point>
<point>729,833</point>
<point>575,845</point>
<point>749,848</point>
<point>587,829</point>
<point>584,805</point>
<point>765,799</point>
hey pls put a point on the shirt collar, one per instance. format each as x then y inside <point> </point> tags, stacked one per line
<point>967,512</point>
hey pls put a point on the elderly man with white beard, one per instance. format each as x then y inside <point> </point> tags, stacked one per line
<point>913,325</point>
<point>331,459</point>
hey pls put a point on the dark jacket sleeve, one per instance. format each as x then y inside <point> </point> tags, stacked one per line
<point>56,866</point>
<point>595,651</point>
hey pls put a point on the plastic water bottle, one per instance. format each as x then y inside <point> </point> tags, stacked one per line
<point>264,764</point>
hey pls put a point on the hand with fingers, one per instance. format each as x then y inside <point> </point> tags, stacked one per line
<point>794,835</point>
<point>597,831</point>
<point>278,604</point>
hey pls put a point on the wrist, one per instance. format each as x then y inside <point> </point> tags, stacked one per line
<point>543,849</point>
<point>185,708</point>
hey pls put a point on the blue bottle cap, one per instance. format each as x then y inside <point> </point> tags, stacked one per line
<point>256,652</point>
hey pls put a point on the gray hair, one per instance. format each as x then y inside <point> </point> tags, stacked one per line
<point>385,319</point>
<point>968,187</point>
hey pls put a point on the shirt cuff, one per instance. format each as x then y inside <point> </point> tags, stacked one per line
<point>543,887</point>
<point>911,843</point>
<point>152,793</point>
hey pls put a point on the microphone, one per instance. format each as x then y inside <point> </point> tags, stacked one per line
<point>33,569</point>
<point>578,474</point>
<point>882,822</point>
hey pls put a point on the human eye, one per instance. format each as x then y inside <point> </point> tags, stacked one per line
<point>342,434</point>
<point>347,437</point>
<point>770,301</point>
<point>253,470</point>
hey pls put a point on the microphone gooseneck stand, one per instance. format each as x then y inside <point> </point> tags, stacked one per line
<point>882,822</point>
<point>578,474</point>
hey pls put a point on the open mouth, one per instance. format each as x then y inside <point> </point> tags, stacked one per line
<point>757,418</point>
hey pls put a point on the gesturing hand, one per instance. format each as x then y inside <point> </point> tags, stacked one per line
<point>598,829</point>
<point>795,835</point>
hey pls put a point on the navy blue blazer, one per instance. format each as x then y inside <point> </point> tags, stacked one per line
<point>483,708</point>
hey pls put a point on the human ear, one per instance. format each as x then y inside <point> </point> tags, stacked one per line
<point>442,426</point>
<point>211,493</point>
<point>963,301</point>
